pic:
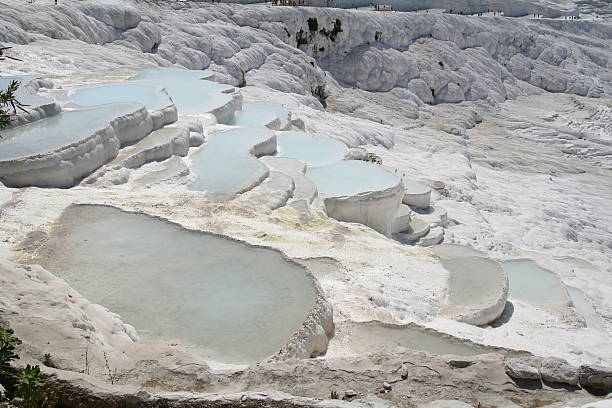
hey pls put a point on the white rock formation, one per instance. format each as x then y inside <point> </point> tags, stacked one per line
<point>65,166</point>
<point>524,169</point>
<point>376,209</point>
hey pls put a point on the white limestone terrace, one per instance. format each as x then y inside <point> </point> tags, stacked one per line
<point>478,286</point>
<point>311,151</point>
<point>355,191</point>
<point>60,150</point>
<point>154,98</point>
<point>193,93</point>
<point>481,60</point>
<point>444,58</point>
<point>227,165</point>
<point>416,194</point>
<point>266,114</point>
<point>497,201</point>
<point>549,8</point>
<point>226,320</point>
<point>72,138</point>
<point>160,145</point>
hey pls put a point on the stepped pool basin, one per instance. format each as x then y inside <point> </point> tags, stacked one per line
<point>356,191</point>
<point>586,310</point>
<point>153,97</point>
<point>60,130</point>
<point>416,194</point>
<point>351,177</point>
<point>226,165</point>
<point>364,338</point>
<point>535,285</point>
<point>262,114</point>
<point>313,152</point>
<point>223,299</point>
<point>472,280</point>
<point>191,94</point>
<point>477,285</point>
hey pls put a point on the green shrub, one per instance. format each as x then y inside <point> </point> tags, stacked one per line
<point>27,388</point>
<point>8,342</point>
<point>313,24</point>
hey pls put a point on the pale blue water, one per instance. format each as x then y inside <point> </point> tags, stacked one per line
<point>585,308</point>
<point>223,299</point>
<point>314,152</point>
<point>413,187</point>
<point>224,165</point>
<point>260,114</point>
<point>60,130</point>
<point>533,284</point>
<point>190,94</point>
<point>369,337</point>
<point>150,96</point>
<point>351,177</point>
<point>473,278</point>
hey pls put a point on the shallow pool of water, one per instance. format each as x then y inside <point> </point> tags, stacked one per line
<point>413,187</point>
<point>351,177</point>
<point>533,284</point>
<point>59,130</point>
<point>585,308</point>
<point>260,114</point>
<point>374,337</point>
<point>224,166</point>
<point>150,96</point>
<point>314,152</point>
<point>223,299</point>
<point>473,278</point>
<point>190,94</point>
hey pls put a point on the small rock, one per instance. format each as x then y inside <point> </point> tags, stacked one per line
<point>143,395</point>
<point>298,123</point>
<point>460,363</point>
<point>350,394</point>
<point>596,378</point>
<point>403,371</point>
<point>438,185</point>
<point>557,370</point>
<point>521,369</point>
<point>386,386</point>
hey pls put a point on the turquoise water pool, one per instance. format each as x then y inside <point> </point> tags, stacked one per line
<point>351,177</point>
<point>150,96</point>
<point>224,166</point>
<point>223,299</point>
<point>314,152</point>
<point>60,130</point>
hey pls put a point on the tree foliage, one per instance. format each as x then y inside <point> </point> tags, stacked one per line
<point>8,342</point>
<point>9,104</point>
<point>26,388</point>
